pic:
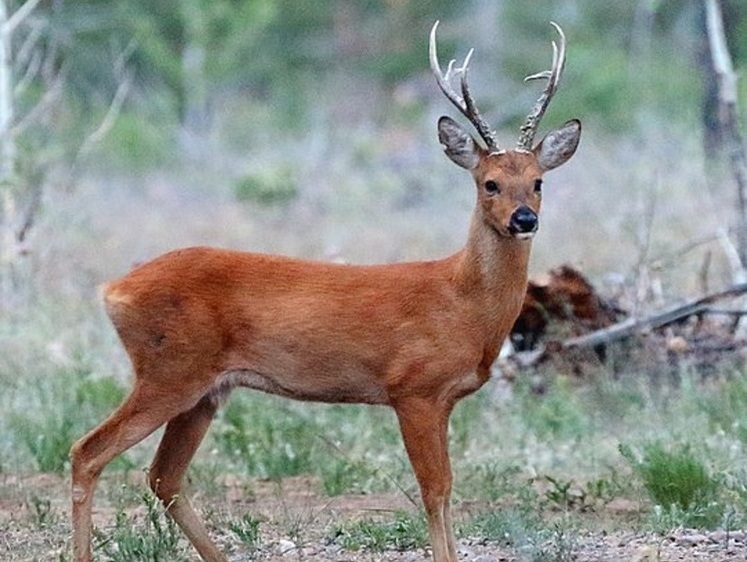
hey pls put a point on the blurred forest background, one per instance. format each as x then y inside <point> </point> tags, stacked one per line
<point>132,126</point>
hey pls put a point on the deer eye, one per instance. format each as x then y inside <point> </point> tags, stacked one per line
<point>492,187</point>
<point>538,186</point>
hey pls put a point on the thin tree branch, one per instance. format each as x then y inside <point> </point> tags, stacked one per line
<point>632,326</point>
<point>17,18</point>
<point>126,78</point>
<point>115,108</point>
<point>48,99</point>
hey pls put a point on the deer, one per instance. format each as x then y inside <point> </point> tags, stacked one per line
<point>416,337</point>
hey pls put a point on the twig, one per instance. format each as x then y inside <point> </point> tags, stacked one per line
<point>115,107</point>
<point>46,102</point>
<point>658,320</point>
<point>17,18</point>
<point>126,78</point>
<point>726,311</point>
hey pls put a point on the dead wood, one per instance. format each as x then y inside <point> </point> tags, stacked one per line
<point>631,327</point>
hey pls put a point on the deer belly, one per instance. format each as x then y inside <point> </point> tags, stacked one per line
<point>308,387</point>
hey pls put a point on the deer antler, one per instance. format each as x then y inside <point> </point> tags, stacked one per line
<point>464,103</point>
<point>529,128</point>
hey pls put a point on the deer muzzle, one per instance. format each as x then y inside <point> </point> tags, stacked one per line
<point>524,222</point>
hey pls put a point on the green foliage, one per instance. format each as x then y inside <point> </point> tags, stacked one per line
<point>726,407</point>
<point>139,142</point>
<point>269,187</point>
<point>66,406</point>
<point>678,482</point>
<point>557,413</point>
<point>246,530</point>
<point>42,513</point>
<point>523,530</point>
<point>267,443</point>
<point>153,537</point>
<point>344,476</point>
<point>512,526</point>
<point>273,438</point>
<point>405,532</point>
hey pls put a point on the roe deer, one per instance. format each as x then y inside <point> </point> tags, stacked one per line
<point>198,322</point>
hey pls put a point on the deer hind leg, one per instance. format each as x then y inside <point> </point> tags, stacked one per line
<point>178,445</point>
<point>144,411</point>
<point>424,431</point>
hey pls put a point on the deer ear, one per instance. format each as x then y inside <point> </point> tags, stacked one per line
<point>558,146</point>
<point>458,145</point>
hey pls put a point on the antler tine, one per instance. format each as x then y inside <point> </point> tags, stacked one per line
<point>464,103</point>
<point>529,128</point>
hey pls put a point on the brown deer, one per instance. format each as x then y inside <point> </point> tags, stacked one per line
<point>419,336</point>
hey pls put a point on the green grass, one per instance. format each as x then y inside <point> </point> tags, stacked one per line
<point>272,438</point>
<point>523,531</point>
<point>151,536</point>
<point>247,530</point>
<point>680,485</point>
<point>404,531</point>
<point>63,411</point>
<point>726,405</point>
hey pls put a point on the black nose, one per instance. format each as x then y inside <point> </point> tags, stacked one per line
<point>523,221</point>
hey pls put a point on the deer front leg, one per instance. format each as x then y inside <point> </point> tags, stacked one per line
<point>424,426</point>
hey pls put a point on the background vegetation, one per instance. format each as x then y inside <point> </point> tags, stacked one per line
<point>308,128</point>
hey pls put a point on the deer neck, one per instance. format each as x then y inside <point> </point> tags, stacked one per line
<point>492,270</point>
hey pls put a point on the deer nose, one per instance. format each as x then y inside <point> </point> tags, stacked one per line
<point>523,221</point>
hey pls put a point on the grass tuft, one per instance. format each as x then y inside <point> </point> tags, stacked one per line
<point>680,485</point>
<point>405,532</point>
<point>149,537</point>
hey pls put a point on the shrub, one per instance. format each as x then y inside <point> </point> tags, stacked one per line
<point>678,483</point>
<point>273,187</point>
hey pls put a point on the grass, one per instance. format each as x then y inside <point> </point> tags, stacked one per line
<point>402,532</point>
<point>62,412</point>
<point>150,536</point>
<point>246,529</point>
<point>679,483</point>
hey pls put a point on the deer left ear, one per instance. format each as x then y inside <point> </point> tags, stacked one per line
<point>458,145</point>
<point>558,146</point>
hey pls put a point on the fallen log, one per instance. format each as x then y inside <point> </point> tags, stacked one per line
<point>627,328</point>
<point>661,319</point>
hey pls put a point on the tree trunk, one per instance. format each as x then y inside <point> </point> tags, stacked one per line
<point>8,203</point>
<point>733,143</point>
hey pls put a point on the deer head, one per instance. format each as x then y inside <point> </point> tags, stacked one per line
<point>509,181</point>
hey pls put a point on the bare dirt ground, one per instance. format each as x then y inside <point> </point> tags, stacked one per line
<point>34,527</point>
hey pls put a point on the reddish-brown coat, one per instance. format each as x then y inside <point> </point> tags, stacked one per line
<point>415,336</point>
